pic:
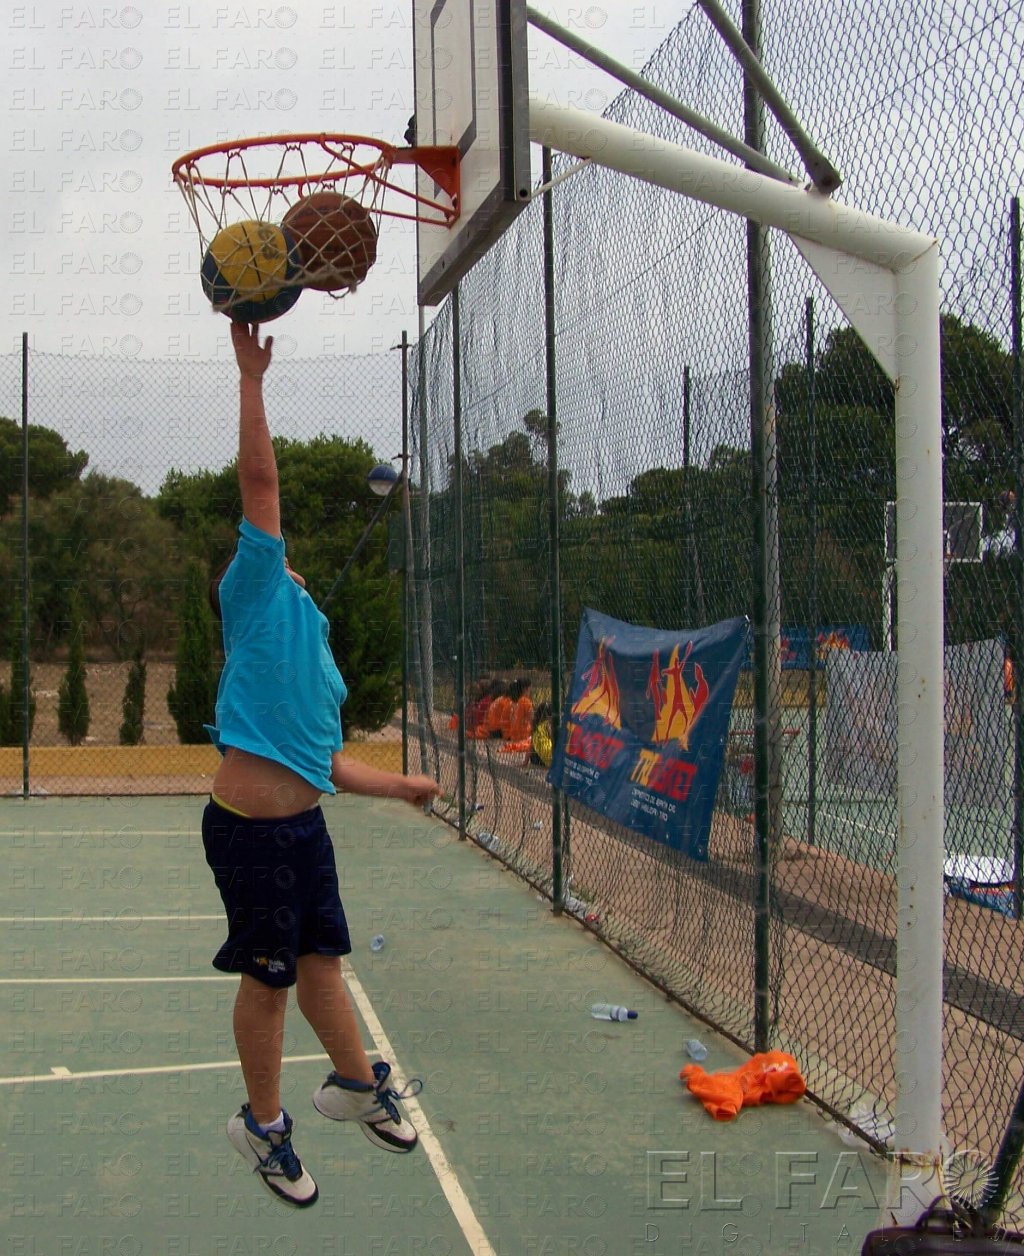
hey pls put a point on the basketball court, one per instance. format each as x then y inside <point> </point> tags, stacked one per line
<point>542,1129</point>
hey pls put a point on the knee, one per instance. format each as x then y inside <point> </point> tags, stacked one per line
<point>318,978</point>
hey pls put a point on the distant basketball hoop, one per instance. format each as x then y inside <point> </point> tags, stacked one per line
<point>962,524</point>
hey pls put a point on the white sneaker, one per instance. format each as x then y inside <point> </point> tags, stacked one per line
<point>273,1159</point>
<point>377,1107</point>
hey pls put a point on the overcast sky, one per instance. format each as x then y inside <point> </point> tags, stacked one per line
<point>99,99</point>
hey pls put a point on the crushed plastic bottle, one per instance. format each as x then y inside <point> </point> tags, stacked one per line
<point>611,1012</point>
<point>695,1049</point>
<point>377,942</point>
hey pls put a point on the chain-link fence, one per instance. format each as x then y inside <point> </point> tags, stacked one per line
<point>651,426</point>
<point>132,488</point>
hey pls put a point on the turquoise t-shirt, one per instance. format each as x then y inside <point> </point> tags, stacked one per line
<point>280,692</point>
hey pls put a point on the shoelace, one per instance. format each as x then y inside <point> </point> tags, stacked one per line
<point>284,1158</point>
<point>386,1095</point>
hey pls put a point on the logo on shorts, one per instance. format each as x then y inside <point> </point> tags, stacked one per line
<point>271,965</point>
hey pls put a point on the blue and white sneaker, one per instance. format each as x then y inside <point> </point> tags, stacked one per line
<point>376,1107</point>
<point>273,1159</point>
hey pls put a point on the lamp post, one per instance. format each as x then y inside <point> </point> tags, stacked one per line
<point>383,480</point>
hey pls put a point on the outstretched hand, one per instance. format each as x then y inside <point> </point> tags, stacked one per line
<point>420,790</point>
<point>252,357</point>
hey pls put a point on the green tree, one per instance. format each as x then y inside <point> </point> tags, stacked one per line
<point>134,702</point>
<point>854,473</point>
<point>72,697</point>
<point>101,535</point>
<point>326,504</point>
<point>51,464</point>
<point>12,705</point>
<point>192,696</point>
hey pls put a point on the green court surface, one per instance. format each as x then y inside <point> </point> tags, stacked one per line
<point>542,1129</point>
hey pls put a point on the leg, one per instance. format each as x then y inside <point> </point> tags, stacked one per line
<point>259,1037</point>
<point>356,1090</point>
<point>324,1002</point>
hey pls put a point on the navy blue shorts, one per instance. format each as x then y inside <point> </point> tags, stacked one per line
<point>279,885</point>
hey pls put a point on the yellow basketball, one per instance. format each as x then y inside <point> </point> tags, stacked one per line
<point>248,271</point>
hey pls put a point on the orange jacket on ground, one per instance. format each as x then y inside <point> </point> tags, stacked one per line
<point>768,1077</point>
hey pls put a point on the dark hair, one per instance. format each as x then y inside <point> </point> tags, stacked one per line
<point>214,588</point>
<point>518,687</point>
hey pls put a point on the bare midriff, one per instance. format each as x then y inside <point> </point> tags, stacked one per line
<point>262,788</point>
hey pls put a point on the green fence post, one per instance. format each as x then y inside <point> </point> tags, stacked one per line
<point>812,618</point>
<point>559,832</point>
<point>460,563</point>
<point>26,709</point>
<point>1017,420</point>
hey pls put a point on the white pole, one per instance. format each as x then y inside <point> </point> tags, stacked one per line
<point>920,696</point>
<point>913,260</point>
<point>797,211</point>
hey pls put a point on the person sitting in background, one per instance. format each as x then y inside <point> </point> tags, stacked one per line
<point>521,723</point>
<point>477,707</point>
<point>541,742</point>
<point>499,713</point>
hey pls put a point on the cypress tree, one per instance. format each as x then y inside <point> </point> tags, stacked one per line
<point>192,696</point>
<point>134,703</point>
<point>72,698</point>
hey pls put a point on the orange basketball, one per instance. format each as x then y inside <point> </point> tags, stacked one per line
<point>335,238</point>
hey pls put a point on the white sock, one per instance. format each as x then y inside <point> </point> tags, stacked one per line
<point>276,1127</point>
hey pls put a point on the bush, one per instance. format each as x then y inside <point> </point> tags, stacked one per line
<point>192,697</point>
<point>72,698</point>
<point>134,702</point>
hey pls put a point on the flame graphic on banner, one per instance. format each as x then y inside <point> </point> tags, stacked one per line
<point>601,695</point>
<point>676,707</point>
<point>827,642</point>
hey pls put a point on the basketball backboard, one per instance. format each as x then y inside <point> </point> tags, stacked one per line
<point>961,532</point>
<point>471,90</point>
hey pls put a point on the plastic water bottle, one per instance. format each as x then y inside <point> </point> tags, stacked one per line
<point>377,942</point>
<point>609,1012</point>
<point>695,1049</point>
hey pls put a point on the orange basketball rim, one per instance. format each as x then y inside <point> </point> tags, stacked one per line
<point>264,177</point>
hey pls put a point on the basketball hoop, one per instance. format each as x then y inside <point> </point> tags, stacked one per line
<point>262,179</point>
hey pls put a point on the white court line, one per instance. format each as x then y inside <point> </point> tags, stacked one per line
<point>112,918</point>
<point>86,834</point>
<point>92,1074</point>
<point>105,981</point>
<point>857,824</point>
<point>461,1208</point>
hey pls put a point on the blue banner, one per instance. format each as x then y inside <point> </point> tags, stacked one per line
<point>795,643</point>
<point>643,734</point>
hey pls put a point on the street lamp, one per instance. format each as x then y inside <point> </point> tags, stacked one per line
<point>383,480</point>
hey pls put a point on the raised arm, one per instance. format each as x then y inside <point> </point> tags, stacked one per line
<point>257,466</point>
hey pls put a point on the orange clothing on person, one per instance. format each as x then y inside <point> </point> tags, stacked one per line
<point>521,723</point>
<point>768,1077</point>
<point>499,717</point>
<point>476,717</point>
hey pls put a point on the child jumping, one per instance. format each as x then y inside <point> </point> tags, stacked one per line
<point>278,728</point>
